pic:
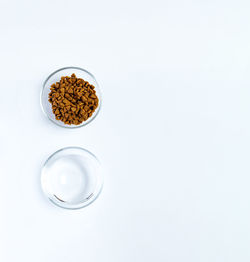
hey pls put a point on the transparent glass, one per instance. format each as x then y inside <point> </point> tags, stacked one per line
<point>71,178</point>
<point>55,77</point>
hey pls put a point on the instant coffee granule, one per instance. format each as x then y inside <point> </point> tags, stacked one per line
<point>73,100</point>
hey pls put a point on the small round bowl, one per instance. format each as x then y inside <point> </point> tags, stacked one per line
<point>71,178</point>
<point>55,77</point>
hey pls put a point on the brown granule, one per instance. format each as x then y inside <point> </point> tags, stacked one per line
<point>73,100</point>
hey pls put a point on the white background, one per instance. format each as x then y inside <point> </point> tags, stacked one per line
<point>172,135</point>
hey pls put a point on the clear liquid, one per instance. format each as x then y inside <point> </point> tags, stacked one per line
<point>70,178</point>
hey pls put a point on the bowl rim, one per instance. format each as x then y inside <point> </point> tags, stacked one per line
<point>80,205</point>
<point>84,123</point>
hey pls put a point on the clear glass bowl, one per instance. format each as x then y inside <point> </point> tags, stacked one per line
<point>55,77</point>
<point>71,178</point>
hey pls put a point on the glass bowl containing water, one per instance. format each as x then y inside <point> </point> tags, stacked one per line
<point>71,178</point>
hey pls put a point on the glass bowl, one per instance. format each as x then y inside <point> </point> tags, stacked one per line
<point>71,178</point>
<point>55,77</point>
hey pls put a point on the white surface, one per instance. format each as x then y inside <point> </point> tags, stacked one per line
<point>173,133</point>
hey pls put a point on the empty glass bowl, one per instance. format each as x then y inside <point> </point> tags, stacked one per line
<point>55,77</point>
<point>71,178</point>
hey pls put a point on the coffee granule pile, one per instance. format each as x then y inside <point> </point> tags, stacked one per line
<point>73,100</point>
